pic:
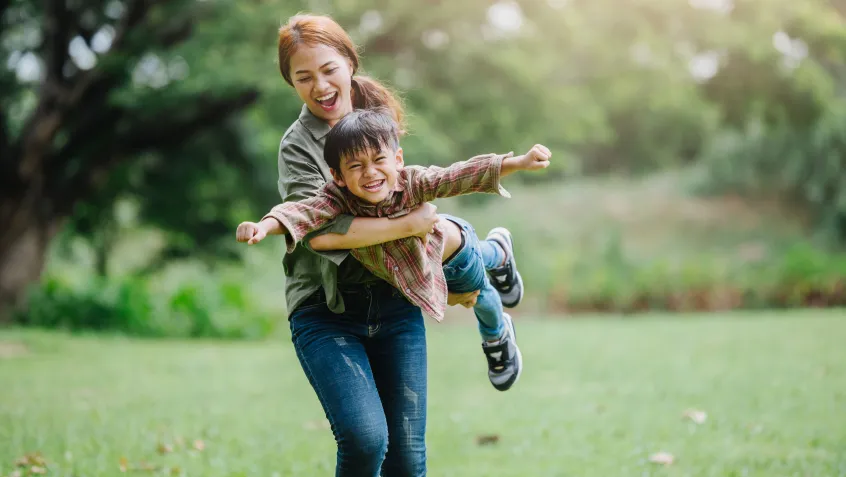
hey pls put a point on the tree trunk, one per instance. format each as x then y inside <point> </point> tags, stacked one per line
<point>22,261</point>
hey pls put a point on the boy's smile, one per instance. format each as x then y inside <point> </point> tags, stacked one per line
<point>370,175</point>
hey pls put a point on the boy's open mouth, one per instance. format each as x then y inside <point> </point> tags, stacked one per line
<point>373,186</point>
<point>328,101</point>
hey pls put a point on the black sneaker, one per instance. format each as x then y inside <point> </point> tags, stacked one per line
<point>505,363</point>
<point>506,279</point>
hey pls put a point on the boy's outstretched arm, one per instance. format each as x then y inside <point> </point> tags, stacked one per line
<point>478,174</point>
<point>537,158</point>
<point>253,233</point>
<point>294,219</point>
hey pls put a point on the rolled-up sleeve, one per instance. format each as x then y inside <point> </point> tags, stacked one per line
<point>480,174</point>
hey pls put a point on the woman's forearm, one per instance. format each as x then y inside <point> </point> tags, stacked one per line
<point>366,231</point>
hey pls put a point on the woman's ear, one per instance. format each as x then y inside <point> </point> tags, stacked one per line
<point>339,179</point>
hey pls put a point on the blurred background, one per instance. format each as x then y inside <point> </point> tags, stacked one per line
<point>699,151</point>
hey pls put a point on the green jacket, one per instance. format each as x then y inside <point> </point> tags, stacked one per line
<point>302,171</point>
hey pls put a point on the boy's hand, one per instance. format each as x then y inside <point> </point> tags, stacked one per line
<point>537,158</point>
<point>467,300</point>
<point>250,232</point>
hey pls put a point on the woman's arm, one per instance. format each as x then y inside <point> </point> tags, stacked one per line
<point>367,231</point>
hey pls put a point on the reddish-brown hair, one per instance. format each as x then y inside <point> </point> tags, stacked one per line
<point>312,30</point>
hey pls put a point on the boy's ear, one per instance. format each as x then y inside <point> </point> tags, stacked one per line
<point>339,179</point>
<point>400,161</point>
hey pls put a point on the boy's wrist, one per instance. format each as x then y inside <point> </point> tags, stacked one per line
<point>511,164</point>
<point>270,226</point>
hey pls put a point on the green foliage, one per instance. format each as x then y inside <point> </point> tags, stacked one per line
<point>801,275</point>
<point>806,165</point>
<point>133,306</point>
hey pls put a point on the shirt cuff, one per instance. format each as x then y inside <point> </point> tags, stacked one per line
<point>291,235</point>
<point>496,175</point>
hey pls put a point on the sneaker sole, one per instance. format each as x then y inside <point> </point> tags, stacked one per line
<point>495,234</point>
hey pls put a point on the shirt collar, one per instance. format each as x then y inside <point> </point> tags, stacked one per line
<point>316,126</point>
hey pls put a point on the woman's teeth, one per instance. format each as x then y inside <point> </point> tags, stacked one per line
<point>327,100</point>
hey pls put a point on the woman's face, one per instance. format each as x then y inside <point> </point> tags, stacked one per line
<point>322,78</point>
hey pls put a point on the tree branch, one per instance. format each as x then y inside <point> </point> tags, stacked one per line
<point>4,4</point>
<point>58,20</point>
<point>167,130</point>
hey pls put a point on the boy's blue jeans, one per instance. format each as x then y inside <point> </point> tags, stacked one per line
<point>465,272</point>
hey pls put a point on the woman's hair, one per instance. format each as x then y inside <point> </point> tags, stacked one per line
<point>361,131</point>
<point>315,30</point>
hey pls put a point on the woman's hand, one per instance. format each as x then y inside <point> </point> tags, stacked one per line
<point>423,220</point>
<point>467,300</point>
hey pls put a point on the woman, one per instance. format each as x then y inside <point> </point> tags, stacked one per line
<point>361,344</point>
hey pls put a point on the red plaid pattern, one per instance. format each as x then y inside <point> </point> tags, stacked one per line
<point>414,270</point>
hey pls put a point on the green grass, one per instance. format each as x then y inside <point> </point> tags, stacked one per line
<point>596,399</point>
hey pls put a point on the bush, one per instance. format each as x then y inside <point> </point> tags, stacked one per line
<point>132,306</point>
<point>802,275</point>
<point>807,166</point>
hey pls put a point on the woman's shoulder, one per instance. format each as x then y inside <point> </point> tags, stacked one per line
<point>298,140</point>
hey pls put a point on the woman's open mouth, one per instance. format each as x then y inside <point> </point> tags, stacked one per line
<point>327,102</point>
<point>374,186</point>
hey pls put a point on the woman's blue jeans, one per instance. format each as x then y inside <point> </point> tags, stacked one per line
<point>368,368</point>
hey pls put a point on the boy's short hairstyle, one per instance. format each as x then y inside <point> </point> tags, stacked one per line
<point>361,131</point>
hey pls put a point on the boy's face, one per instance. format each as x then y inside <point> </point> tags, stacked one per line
<point>372,175</point>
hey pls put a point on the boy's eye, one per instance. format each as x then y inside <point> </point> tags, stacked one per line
<point>331,70</point>
<point>355,166</point>
<point>379,159</point>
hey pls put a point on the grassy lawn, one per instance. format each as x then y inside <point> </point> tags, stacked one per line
<point>597,398</point>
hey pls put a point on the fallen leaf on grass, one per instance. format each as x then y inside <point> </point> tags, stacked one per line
<point>695,415</point>
<point>37,470</point>
<point>16,473</point>
<point>12,349</point>
<point>487,439</point>
<point>199,445</point>
<point>165,449</point>
<point>663,458</point>
<point>142,466</point>
<point>28,460</point>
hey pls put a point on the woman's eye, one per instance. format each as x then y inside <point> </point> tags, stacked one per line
<point>332,70</point>
<point>303,80</point>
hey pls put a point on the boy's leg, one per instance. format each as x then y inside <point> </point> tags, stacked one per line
<point>498,255</point>
<point>505,362</point>
<point>464,272</point>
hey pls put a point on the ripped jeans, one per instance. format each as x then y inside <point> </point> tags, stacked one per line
<point>368,368</point>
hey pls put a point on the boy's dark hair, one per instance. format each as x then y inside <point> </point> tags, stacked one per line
<point>358,132</point>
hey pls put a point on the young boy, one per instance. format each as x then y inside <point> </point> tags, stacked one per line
<point>363,153</point>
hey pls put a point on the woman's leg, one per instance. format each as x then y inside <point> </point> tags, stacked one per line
<point>331,350</point>
<point>397,351</point>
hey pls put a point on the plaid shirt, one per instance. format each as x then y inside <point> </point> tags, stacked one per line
<point>413,269</point>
